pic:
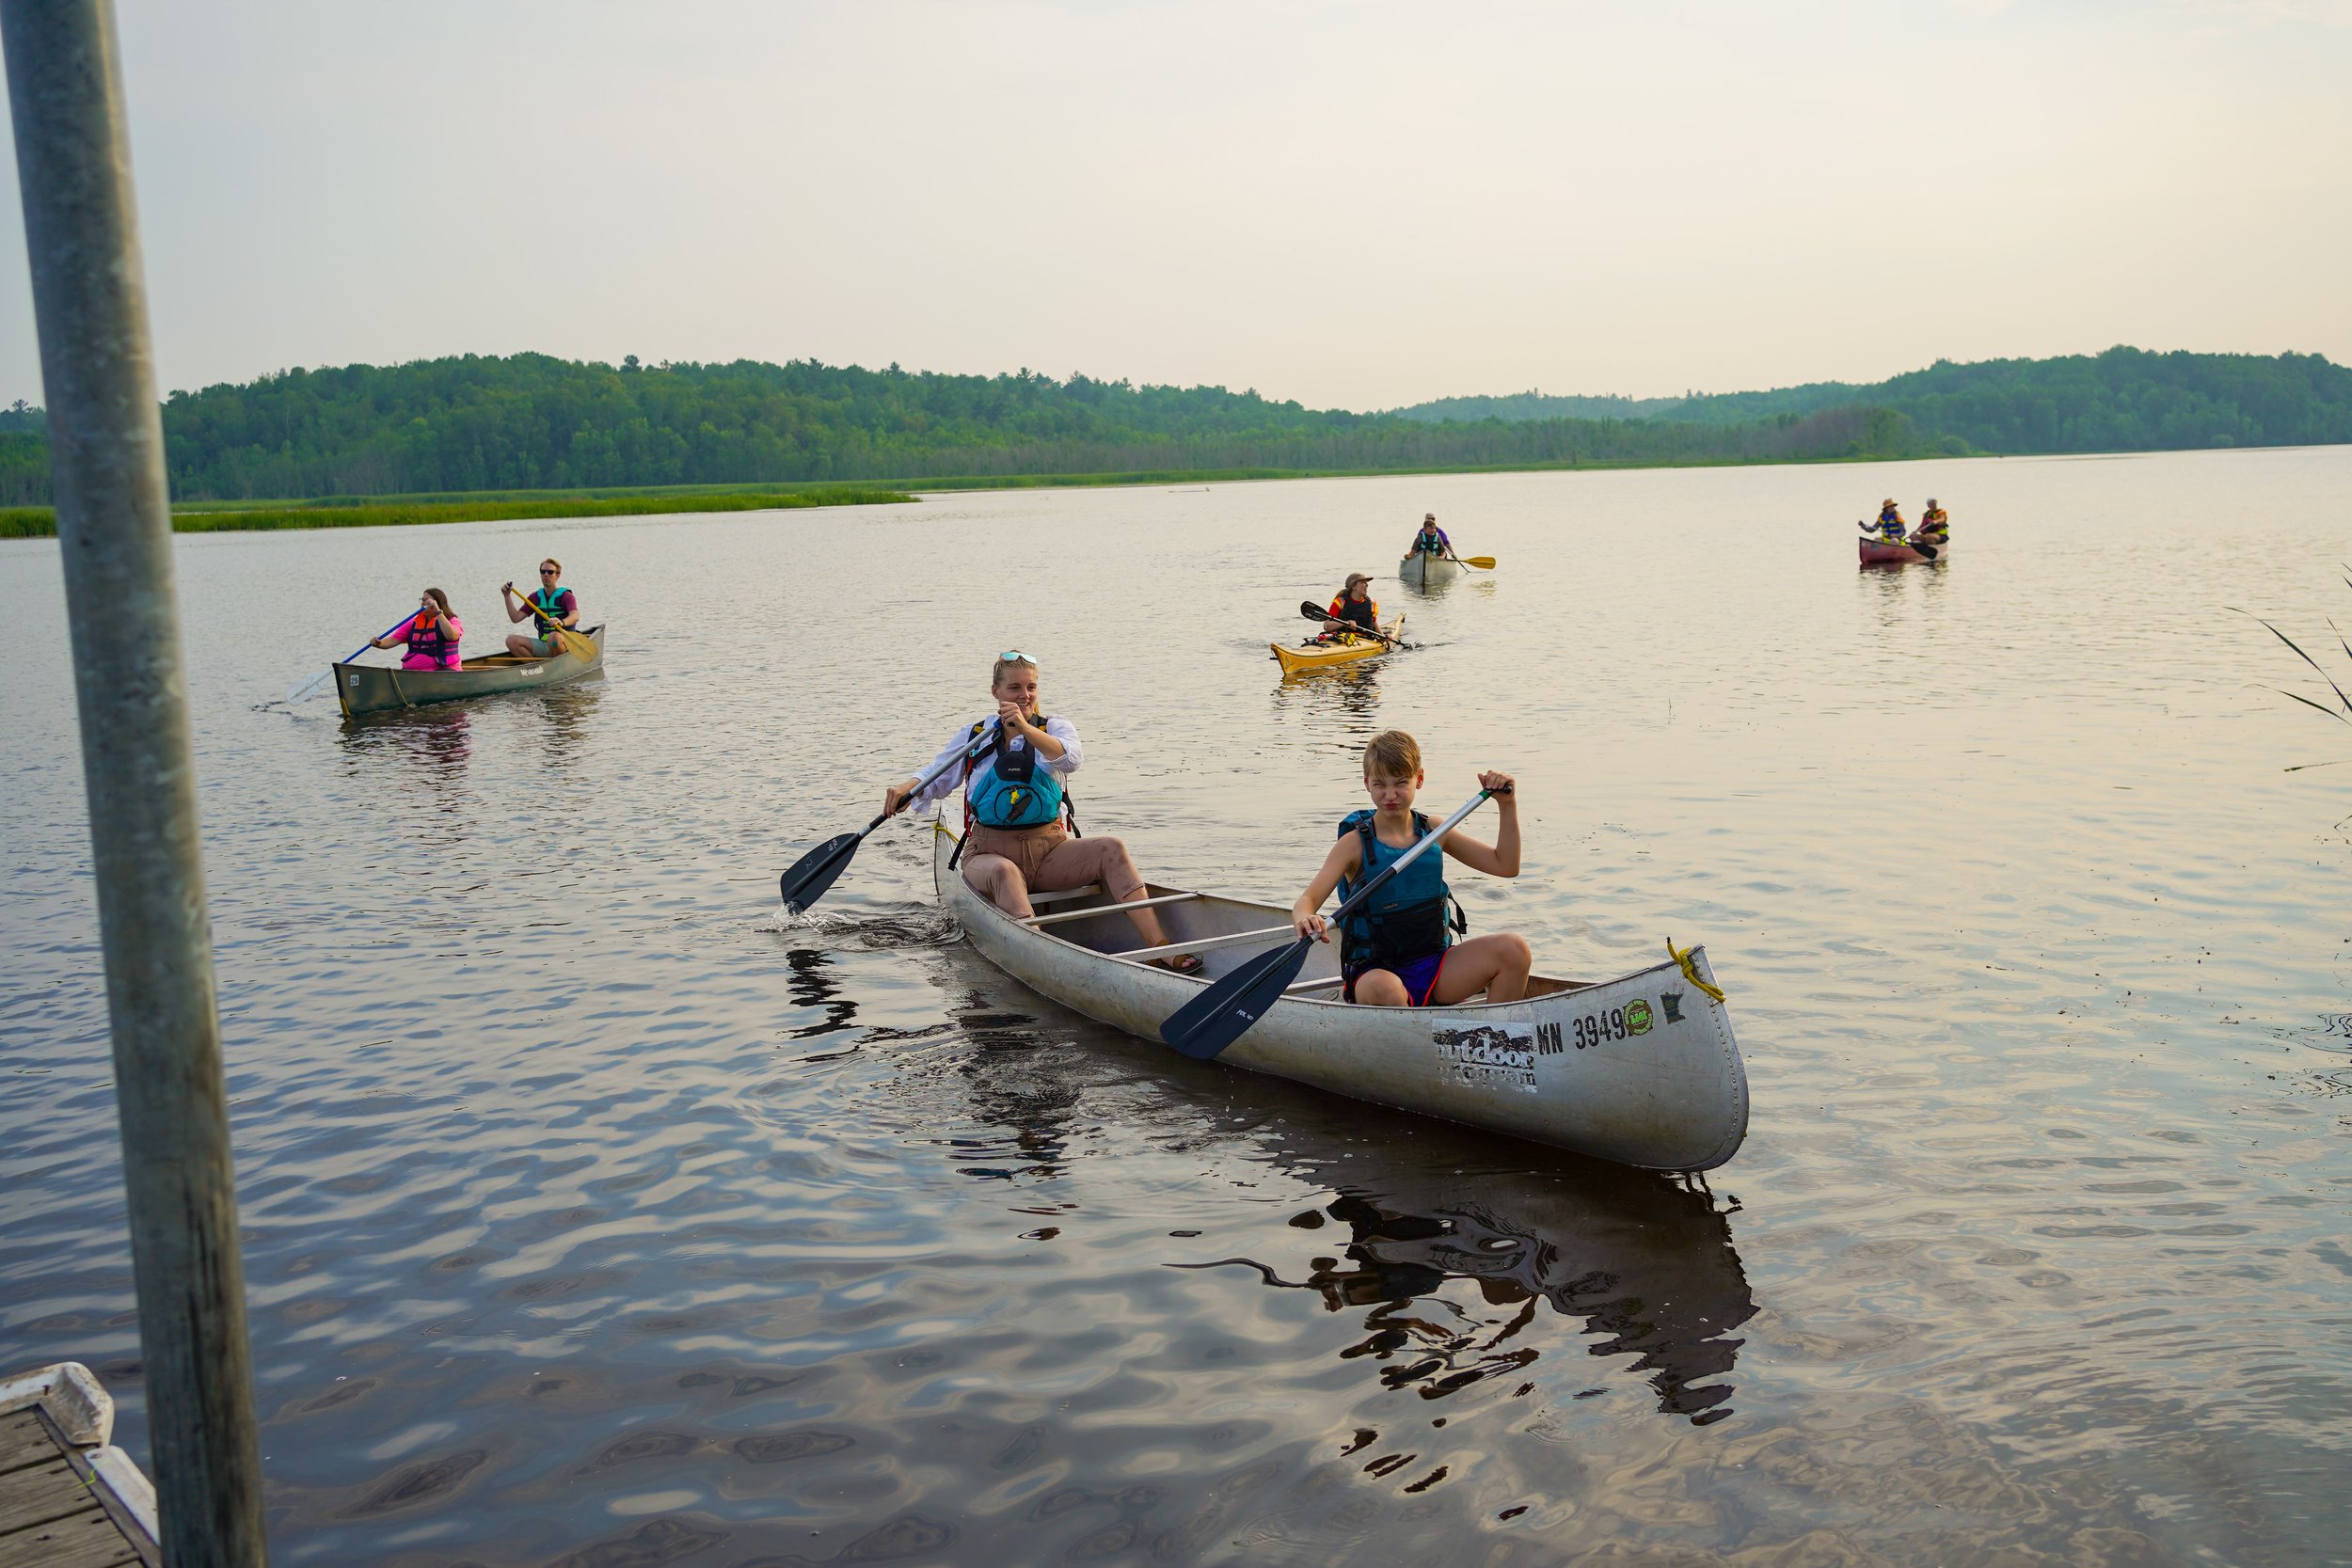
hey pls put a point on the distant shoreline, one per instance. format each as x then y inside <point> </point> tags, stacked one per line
<point>41,522</point>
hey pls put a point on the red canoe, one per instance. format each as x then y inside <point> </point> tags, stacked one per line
<point>1877,552</point>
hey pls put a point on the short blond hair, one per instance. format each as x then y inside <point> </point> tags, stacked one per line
<point>1393,754</point>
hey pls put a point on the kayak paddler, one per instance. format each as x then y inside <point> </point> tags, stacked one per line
<point>550,601</point>
<point>1354,606</point>
<point>432,635</point>
<point>1398,950</point>
<point>1015,806</point>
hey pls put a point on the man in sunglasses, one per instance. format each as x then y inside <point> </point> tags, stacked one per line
<point>550,601</point>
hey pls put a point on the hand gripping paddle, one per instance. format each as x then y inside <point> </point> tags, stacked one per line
<point>816,871</point>
<point>1224,1012</point>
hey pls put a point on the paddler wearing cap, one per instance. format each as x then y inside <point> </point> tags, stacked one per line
<point>1890,526</point>
<point>1353,607</point>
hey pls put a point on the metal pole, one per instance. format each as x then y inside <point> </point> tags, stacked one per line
<point>114,532</point>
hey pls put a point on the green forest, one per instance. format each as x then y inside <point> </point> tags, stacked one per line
<point>535,423</point>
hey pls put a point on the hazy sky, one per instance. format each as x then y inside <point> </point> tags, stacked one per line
<point>1357,204</point>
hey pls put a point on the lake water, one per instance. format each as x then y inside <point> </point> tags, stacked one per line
<point>597,1218</point>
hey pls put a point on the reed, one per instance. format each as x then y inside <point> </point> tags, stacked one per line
<point>2343,713</point>
<point>41,522</point>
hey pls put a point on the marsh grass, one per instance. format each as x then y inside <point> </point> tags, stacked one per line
<point>41,522</point>
<point>2343,713</point>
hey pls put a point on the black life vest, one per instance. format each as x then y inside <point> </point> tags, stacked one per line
<point>1360,612</point>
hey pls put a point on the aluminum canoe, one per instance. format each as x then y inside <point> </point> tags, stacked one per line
<point>365,689</point>
<point>1421,570</point>
<point>1642,1069</point>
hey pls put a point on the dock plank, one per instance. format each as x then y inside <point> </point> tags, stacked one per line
<point>39,1492</point>
<point>84,1540</point>
<point>23,1441</point>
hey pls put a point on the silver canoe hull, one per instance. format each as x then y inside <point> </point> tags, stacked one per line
<point>1427,571</point>
<point>1642,1069</point>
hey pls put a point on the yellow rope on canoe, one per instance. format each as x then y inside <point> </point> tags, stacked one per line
<point>1691,970</point>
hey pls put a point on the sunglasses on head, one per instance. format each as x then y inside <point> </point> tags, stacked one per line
<point>1015,655</point>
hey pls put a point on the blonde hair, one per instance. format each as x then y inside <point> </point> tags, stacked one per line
<point>1393,754</point>
<point>996,676</point>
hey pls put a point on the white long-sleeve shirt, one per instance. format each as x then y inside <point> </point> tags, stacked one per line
<point>1055,725</point>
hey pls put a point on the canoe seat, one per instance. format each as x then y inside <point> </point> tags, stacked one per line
<point>1064,894</point>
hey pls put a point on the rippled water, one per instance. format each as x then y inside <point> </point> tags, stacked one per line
<point>595,1217</point>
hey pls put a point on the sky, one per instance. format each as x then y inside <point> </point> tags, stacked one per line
<point>1359,204</point>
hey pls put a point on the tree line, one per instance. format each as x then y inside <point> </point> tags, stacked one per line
<point>532,422</point>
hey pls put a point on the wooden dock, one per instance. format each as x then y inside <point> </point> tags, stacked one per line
<point>68,1498</point>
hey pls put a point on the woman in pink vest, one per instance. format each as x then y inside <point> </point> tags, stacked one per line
<point>431,634</point>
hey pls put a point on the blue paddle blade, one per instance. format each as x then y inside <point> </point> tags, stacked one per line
<point>1223,1013</point>
<point>816,871</point>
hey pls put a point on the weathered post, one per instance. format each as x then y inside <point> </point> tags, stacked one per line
<point>113,531</point>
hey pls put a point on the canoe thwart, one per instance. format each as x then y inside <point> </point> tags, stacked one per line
<point>1036,920</point>
<point>1263,936</point>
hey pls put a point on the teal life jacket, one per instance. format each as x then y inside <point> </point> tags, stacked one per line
<point>1015,790</point>
<point>1407,918</point>
<point>551,603</point>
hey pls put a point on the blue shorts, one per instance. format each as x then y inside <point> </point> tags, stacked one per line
<point>1418,975</point>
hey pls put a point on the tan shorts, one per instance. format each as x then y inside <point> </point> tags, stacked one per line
<point>1049,860</point>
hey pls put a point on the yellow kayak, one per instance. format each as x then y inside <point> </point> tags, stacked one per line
<point>1345,649</point>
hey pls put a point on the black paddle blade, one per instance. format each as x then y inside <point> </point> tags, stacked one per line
<point>816,871</point>
<point>1313,611</point>
<point>1223,1013</point>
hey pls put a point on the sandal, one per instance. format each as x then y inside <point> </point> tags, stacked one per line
<point>1178,963</point>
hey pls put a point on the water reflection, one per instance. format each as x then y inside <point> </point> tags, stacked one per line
<point>1350,693</point>
<point>562,723</point>
<point>1644,1260</point>
<point>418,757</point>
<point>809,984</point>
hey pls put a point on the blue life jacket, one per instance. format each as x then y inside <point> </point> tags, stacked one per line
<point>1406,918</point>
<point>1891,527</point>
<point>1015,791</point>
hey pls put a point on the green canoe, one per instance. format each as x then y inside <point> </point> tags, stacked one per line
<point>376,689</point>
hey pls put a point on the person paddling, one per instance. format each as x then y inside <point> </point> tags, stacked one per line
<point>1015,803</point>
<point>1890,525</point>
<point>1398,950</point>
<point>1935,526</point>
<point>431,634</point>
<point>1353,607</point>
<point>1431,540</point>
<point>548,602</point>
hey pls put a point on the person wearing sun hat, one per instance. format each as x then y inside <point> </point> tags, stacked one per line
<point>1890,524</point>
<point>1355,605</point>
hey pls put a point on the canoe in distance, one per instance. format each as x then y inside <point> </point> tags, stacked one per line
<point>1642,1069</point>
<point>1878,552</point>
<point>1421,570</point>
<point>365,689</point>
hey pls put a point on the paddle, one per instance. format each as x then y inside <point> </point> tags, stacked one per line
<point>1316,612</point>
<point>1224,1012</point>
<point>1477,562</point>
<point>816,871</point>
<point>556,629</point>
<point>312,684</point>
